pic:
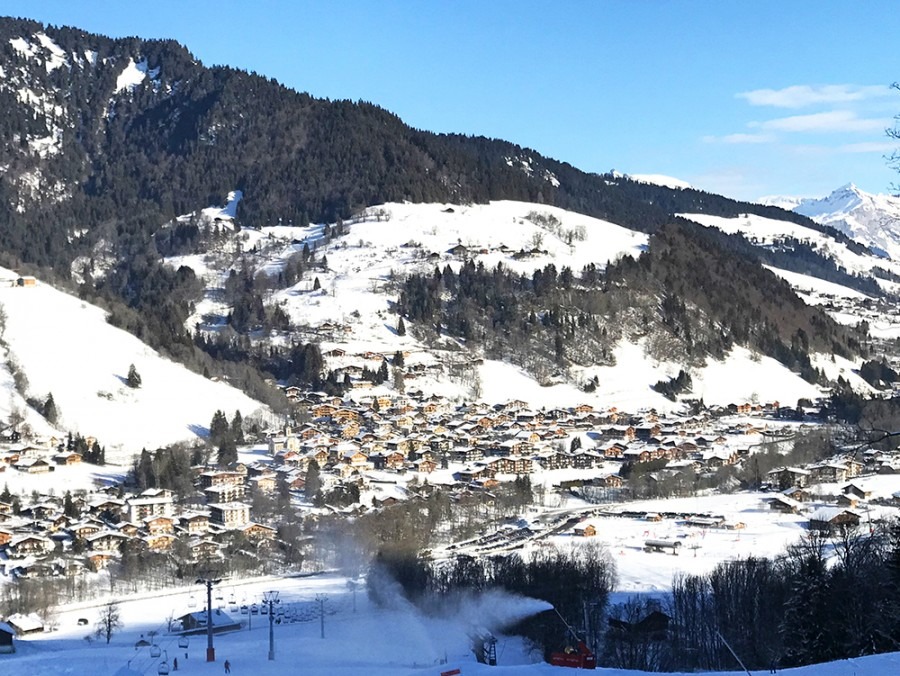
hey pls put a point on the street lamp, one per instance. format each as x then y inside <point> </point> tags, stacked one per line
<point>271,597</point>
<point>209,580</point>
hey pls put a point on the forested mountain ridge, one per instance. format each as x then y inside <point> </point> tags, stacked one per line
<point>106,141</point>
<point>129,133</point>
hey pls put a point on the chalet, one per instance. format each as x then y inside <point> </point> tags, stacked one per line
<point>161,542</point>
<point>7,634</point>
<point>586,460</point>
<point>828,519</point>
<point>196,623</point>
<point>847,500</point>
<point>255,532</point>
<point>29,545</point>
<point>128,528</point>
<point>857,490</point>
<point>645,432</point>
<point>26,281</point>
<point>195,524</point>
<point>425,465</point>
<point>720,458</point>
<point>99,559</point>
<point>828,473</point>
<point>24,625</point>
<point>638,455</point>
<point>67,458</point>
<point>610,481</point>
<point>784,503</point>
<point>33,465</point>
<point>554,460</point>
<point>323,411</point>
<point>157,525</point>
<point>107,541</point>
<point>204,549</point>
<point>460,251</point>
<point>786,477</point>
<point>110,506</point>
<point>585,530</point>
<point>798,494</point>
<point>84,529</point>
<point>263,484</point>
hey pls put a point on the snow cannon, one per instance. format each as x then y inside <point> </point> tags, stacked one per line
<point>578,656</point>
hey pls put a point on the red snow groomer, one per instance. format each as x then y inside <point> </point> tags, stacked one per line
<point>577,657</point>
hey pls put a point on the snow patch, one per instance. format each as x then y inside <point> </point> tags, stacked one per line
<point>57,57</point>
<point>659,179</point>
<point>228,212</point>
<point>133,75</point>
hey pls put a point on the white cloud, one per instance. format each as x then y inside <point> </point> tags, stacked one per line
<point>831,121</point>
<point>870,147</point>
<point>799,96</point>
<point>740,138</point>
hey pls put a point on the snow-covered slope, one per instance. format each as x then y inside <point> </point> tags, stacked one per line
<point>767,231</point>
<point>656,179</point>
<point>873,220</point>
<point>65,347</point>
<point>352,309</point>
<point>405,641</point>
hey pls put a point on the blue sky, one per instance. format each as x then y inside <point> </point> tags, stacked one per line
<point>744,98</point>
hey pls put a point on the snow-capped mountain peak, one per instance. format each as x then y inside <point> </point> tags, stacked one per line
<point>873,220</point>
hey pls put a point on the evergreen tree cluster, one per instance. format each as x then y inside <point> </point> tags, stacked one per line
<point>168,468</point>
<point>225,437</point>
<point>93,453</point>
<point>800,608</point>
<point>693,285</point>
<point>672,387</point>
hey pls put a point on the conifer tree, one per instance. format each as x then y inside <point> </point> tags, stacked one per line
<point>219,429</point>
<point>49,411</point>
<point>227,454</point>
<point>237,428</point>
<point>134,378</point>
<point>401,327</point>
<point>313,481</point>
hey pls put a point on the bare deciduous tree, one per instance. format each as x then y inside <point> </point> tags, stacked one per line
<point>109,621</point>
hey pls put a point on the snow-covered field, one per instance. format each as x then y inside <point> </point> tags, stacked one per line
<point>381,642</point>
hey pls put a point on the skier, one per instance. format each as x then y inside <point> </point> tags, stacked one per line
<point>175,664</point>
<point>227,667</point>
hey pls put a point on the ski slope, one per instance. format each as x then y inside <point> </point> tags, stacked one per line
<point>66,347</point>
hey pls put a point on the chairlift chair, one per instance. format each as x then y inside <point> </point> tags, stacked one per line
<point>155,651</point>
<point>163,668</point>
<point>183,642</point>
